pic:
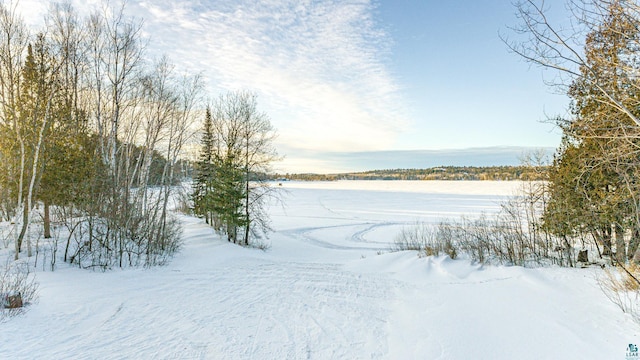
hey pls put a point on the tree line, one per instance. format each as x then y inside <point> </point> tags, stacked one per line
<point>496,173</point>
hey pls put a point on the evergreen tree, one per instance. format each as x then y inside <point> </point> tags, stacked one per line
<point>592,180</point>
<point>227,196</point>
<point>204,173</point>
<point>38,104</point>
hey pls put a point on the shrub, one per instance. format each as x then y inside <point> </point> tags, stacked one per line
<point>621,286</point>
<point>511,237</point>
<point>16,281</point>
<point>426,240</point>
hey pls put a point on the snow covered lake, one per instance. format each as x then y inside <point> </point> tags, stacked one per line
<point>367,215</point>
<point>328,288</point>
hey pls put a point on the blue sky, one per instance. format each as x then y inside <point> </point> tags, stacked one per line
<point>357,76</point>
<point>461,85</point>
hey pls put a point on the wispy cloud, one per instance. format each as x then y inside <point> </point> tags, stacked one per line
<point>318,66</point>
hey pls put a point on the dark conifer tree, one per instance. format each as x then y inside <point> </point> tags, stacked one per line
<point>205,173</point>
<point>593,177</point>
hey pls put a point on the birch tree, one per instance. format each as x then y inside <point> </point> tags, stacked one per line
<point>13,44</point>
<point>258,155</point>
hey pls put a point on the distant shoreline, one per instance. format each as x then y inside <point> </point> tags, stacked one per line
<point>474,173</point>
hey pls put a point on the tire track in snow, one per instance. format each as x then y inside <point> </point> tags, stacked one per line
<point>359,236</point>
<point>352,240</point>
<point>304,234</point>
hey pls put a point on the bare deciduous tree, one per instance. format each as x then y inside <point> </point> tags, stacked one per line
<point>561,47</point>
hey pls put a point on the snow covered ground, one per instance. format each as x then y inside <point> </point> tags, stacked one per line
<point>326,289</point>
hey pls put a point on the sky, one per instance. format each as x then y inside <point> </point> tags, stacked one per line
<point>340,79</point>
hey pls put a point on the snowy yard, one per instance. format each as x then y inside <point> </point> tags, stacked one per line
<point>328,288</point>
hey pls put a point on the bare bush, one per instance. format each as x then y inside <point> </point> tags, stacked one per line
<point>260,243</point>
<point>6,235</point>
<point>17,282</point>
<point>183,201</point>
<point>621,287</point>
<point>511,237</point>
<point>140,240</point>
<point>425,239</point>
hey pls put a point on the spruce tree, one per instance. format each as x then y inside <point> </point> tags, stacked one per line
<point>204,173</point>
<point>37,103</point>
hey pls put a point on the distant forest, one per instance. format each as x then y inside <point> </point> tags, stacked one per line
<point>437,173</point>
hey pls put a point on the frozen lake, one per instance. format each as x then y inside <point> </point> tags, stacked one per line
<point>367,215</point>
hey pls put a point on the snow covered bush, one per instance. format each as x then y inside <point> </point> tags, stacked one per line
<point>17,282</point>
<point>183,202</point>
<point>5,234</point>
<point>138,239</point>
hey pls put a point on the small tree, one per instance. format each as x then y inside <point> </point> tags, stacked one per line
<point>39,104</point>
<point>258,154</point>
<point>230,187</point>
<point>204,173</point>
